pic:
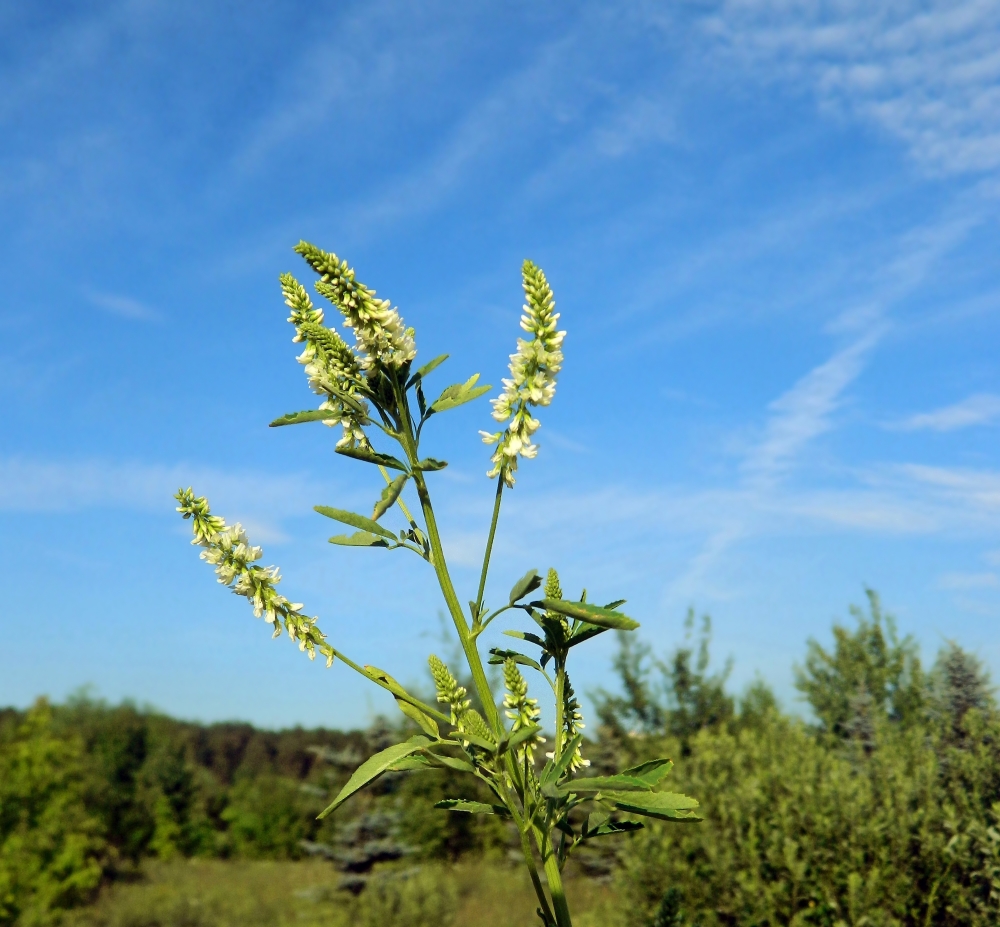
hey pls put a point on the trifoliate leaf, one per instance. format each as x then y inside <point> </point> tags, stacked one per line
<point>527,583</point>
<point>472,807</point>
<point>602,617</point>
<point>355,521</point>
<point>667,806</point>
<point>370,456</point>
<point>458,394</point>
<point>389,496</point>
<point>373,767</point>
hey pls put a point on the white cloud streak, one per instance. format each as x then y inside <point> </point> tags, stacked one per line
<point>980,409</point>
<point>125,307</point>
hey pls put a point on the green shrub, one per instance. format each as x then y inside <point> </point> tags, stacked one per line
<point>52,851</point>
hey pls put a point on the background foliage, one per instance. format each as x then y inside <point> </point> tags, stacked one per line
<point>884,809</point>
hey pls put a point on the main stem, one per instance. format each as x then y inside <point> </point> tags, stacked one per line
<point>409,443</point>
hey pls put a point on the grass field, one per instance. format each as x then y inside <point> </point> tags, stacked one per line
<point>210,893</point>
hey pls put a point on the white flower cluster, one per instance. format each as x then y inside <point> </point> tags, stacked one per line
<point>330,364</point>
<point>533,372</point>
<point>378,328</point>
<point>523,711</point>
<point>234,558</point>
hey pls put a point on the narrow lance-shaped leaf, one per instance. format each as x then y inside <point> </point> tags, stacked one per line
<point>425,721</point>
<point>517,738</point>
<point>310,415</point>
<point>389,496</point>
<point>612,827</point>
<point>592,784</point>
<point>426,369</point>
<point>499,657</point>
<point>358,539</point>
<point>429,464</point>
<point>602,617</point>
<point>370,456</point>
<point>652,771</point>
<point>555,769</point>
<point>472,807</point>
<point>667,806</point>
<point>355,521</point>
<point>373,767</point>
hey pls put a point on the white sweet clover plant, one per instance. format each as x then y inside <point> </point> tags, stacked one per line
<point>371,387</point>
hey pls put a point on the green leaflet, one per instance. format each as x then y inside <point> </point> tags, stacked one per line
<point>355,521</point>
<point>667,806</point>
<point>652,771</point>
<point>373,767</point>
<point>413,763</point>
<point>466,737</point>
<point>425,721</point>
<point>370,456</point>
<point>458,394</point>
<point>297,418</point>
<point>527,583</point>
<point>612,827</point>
<point>358,539</point>
<point>389,496</point>
<point>621,783</point>
<point>500,657</point>
<point>527,636</point>
<point>429,464</point>
<point>427,368</point>
<point>472,807</point>
<point>602,617</point>
<point>452,762</point>
<point>553,772</point>
<point>517,738</point>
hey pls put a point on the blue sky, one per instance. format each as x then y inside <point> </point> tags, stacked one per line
<point>771,228</point>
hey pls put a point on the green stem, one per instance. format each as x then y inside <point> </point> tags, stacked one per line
<point>451,599</point>
<point>560,709</point>
<point>489,548</point>
<point>529,857</point>
<point>468,642</point>
<point>554,876</point>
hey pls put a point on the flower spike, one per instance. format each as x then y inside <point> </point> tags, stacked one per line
<point>532,382</point>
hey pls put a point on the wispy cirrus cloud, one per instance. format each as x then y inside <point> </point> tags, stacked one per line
<point>979,409</point>
<point>53,486</point>
<point>125,307</point>
<point>927,73</point>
